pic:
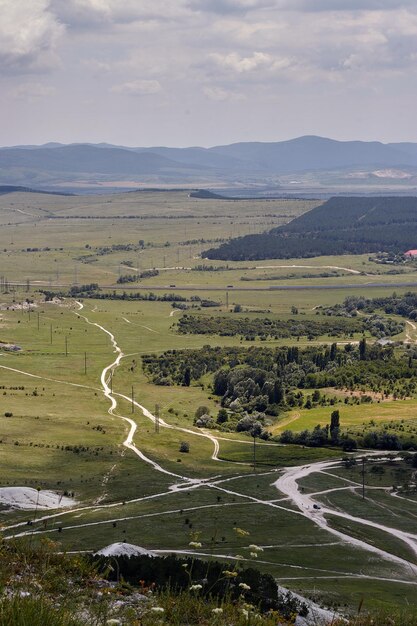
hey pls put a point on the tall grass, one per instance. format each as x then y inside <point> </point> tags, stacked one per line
<point>30,611</point>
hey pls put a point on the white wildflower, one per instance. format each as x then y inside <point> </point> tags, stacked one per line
<point>196,587</point>
<point>157,609</point>
<point>244,586</point>
<point>255,548</point>
<point>241,532</point>
<point>217,611</point>
<point>195,544</point>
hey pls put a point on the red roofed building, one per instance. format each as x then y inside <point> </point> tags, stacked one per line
<point>410,253</point>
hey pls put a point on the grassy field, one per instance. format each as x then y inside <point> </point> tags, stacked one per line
<point>398,416</point>
<point>58,433</point>
<point>57,239</point>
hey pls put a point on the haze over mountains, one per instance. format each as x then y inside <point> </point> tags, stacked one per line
<point>316,162</point>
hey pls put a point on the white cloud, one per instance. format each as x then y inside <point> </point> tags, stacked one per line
<point>29,34</point>
<point>88,13</point>
<point>230,6</point>
<point>138,88</point>
<point>218,94</point>
<point>256,65</point>
<point>343,5</point>
<point>32,91</point>
<point>260,54</point>
<point>225,7</point>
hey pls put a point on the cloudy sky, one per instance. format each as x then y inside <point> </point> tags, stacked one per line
<point>205,72</point>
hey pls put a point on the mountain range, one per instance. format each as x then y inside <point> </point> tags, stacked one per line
<point>313,160</point>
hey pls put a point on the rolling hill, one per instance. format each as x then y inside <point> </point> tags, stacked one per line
<point>342,225</point>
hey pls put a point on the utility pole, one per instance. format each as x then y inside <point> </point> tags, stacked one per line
<point>227,299</point>
<point>38,320</point>
<point>157,418</point>
<point>363,478</point>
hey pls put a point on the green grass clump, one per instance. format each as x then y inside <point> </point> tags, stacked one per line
<point>28,611</point>
<point>189,608</point>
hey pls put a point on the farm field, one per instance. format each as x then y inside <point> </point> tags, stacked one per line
<point>79,416</point>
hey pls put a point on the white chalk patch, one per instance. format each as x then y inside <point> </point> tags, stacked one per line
<point>31,499</point>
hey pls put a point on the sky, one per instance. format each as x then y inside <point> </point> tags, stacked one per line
<point>207,72</point>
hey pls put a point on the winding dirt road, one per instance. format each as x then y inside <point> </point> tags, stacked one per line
<point>287,483</point>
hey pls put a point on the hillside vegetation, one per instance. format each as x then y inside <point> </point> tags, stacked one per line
<point>42,587</point>
<point>342,225</point>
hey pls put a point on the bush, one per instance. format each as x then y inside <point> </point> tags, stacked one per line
<point>222,416</point>
<point>184,446</point>
<point>205,421</point>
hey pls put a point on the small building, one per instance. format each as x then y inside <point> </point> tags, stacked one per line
<point>411,253</point>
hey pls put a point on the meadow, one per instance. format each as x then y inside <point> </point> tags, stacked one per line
<point>138,486</point>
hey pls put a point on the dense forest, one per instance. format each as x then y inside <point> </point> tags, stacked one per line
<point>372,367</point>
<point>342,225</point>
<point>258,384</point>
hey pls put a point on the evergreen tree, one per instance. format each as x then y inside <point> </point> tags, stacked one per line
<point>362,349</point>
<point>335,426</point>
<point>187,377</point>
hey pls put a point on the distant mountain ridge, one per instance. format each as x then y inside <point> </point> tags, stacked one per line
<point>5,189</point>
<point>55,164</point>
<point>312,153</point>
